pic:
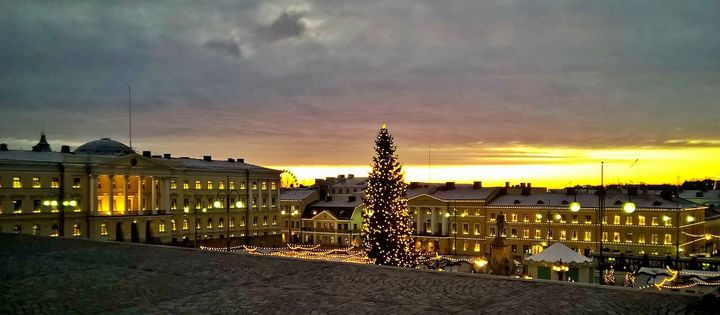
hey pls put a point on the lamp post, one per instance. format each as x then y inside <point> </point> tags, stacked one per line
<point>447,214</point>
<point>290,214</point>
<point>227,192</point>
<point>61,216</point>
<point>195,221</point>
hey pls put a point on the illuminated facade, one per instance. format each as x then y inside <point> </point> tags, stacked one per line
<point>335,220</point>
<point>105,191</point>
<point>293,202</point>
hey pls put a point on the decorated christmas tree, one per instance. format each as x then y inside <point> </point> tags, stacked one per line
<point>387,229</point>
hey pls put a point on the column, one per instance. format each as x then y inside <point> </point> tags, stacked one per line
<point>444,220</point>
<point>165,194</point>
<point>140,194</point>
<point>433,220</point>
<point>92,194</point>
<point>153,194</point>
<point>111,189</point>
<point>419,220</point>
<point>125,193</point>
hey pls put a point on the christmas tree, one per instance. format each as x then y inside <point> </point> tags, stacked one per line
<point>387,229</point>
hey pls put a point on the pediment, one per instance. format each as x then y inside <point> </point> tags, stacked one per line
<point>425,199</point>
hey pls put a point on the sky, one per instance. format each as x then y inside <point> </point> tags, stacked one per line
<point>520,91</point>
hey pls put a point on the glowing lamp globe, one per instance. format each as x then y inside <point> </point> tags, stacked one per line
<point>66,203</point>
<point>238,204</point>
<point>665,218</point>
<point>447,214</point>
<point>204,210</point>
<point>629,207</point>
<point>690,219</point>
<point>46,202</point>
<point>558,216</point>
<point>54,203</point>
<point>186,210</point>
<point>216,204</point>
<point>574,206</point>
<point>539,216</point>
<point>73,203</point>
<point>283,212</point>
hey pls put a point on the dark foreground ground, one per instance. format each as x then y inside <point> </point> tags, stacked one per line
<point>50,275</point>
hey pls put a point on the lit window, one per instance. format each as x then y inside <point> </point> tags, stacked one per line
<point>477,246</point>
<point>525,218</point>
<point>173,226</point>
<point>265,221</point>
<point>588,236</point>
<point>231,222</point>
<point>186,184</point>
<point>616,237</point>
<point>221,184</point>
<point>54,182</point>
<point>654,239</point>
<point>668,238</point>
<point>574,219</point>
<point>254,223</point>
<point>513,233</point>
<point>264,185</point>
<point>36,230</point>
<point>605,236</point>
<point>37,206</point>
<point>574,235</point>
<point>161,226</point>
<point>526,233</point>
<point>588,219</point>
<point>513,217</point>
<point>209,224</point>
<point>242,185</point>
<point>254,185</point>
<point>173,184</point>
<point>641,220</point>
<point>616,220</point>
<point>103,229</point>
<point>538,218</point>
<point>628,220</point>
<point>17,206</point>
<point>254,202</point>
<point>232,185</point>
<point>477,229</point>
<point>221,223</point>
<point>210,184</point>
<point>76,183</point>
<point>36,182</point>
<point>641,239</point>
<point>668,222</point>
<point>273,185</point>
<point>273,202</point>
<point>538,234</point>
<point>54,231</point>
<point>274,220</point>
<point>197,225</point>
<point>563,235</point>
<point>17,183</point>
<point>453,229</point>
<point>198,185</point>
<point>242,221</point>
<point>185,224</point>
<point>173,203</point>
<point>654,221</point>
<point>466,228</point>
<point>76,230</point>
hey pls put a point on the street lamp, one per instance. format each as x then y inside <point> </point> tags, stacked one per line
<point>217,204</point>
<point>447,215</point>
<point>195,222</point>
<point>290,214</point>
<point>560,268</point>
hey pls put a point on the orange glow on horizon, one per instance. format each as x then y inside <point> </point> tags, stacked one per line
<point>568,167</point>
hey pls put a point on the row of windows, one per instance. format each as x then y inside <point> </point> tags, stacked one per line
<point>587,236</point>
<point>346,191</point>
<point>221,185</point>
<point>39,205</point>
<point>54,231</point>
<point>562,218</point>
<point>17,182</point>
<point>199,203</point>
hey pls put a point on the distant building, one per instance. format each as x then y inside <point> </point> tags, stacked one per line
<point>337,218</point>
<point>293,202</point>
<point>103,190</point>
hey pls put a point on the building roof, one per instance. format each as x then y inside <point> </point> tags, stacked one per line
<point>200,164</point>
<point>357,182</point>
<point>558,252</point>
<point>104,146</point>
<point>590,200</point>
<point>340,209</point>
<point>458,192</point>
<point>295,193</point>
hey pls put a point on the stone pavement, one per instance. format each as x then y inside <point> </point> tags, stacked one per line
<point>50,275</point>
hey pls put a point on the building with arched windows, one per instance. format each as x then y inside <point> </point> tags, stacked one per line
<point>104,190</point>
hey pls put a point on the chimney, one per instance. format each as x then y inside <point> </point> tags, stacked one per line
<point>166,155</point>
<point>65,149</point>
<point>241,160</point>
<point>207,158</point>
<point>231,160</point>
<point>351,198</point>
<point>449,185</point>
<point>147,154</point>
<point>341,176</point>
<point>351,175</point>
<point>477,185</point>
<point>3,147</point>
<point>522,185</point>
<point>529,185</point>
<point>507,184</point>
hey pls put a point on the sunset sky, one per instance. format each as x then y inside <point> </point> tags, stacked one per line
<point>519,91</point>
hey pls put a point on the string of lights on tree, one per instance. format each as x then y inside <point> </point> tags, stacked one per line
<point>387,229</point>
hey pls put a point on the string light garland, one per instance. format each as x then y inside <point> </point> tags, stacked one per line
<point>387,228</point>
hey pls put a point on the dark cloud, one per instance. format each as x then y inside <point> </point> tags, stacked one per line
<point>287,25</point>
<point>224,45</point>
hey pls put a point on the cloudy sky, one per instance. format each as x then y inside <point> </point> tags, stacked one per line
<point>291,83</point>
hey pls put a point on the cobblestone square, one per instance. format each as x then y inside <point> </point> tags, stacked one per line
<point>51,276</point>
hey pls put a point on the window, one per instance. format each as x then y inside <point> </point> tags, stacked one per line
<point>654,221</point>
<point>231,184</point>
<point>477,246</point>
<point>605,236</point>
<point>36,230</point>
<point>588,219</point>
<point>17,229</point>
<point>242,221</point>
<point>185,224</point>
<point>54,182</point>
<point>17,183</point>
<point>466,228</point>
<point>628,237</point>
<point>17,206</point>
<point>616,220</point>
<point>231,222</point>
<point>513,232</point>
<point>198,184</point>
<point>538,218</point>
<point>641,239</point>
<point>242,185</point>
<point>654,238</point>
<point>526,233</point>
<point>36,182</point>
<point>525,218</point>
<point>76,183</point>
<point>273,202</point>
<point>668,238</point>
<point>265,223</point>
<point>76,230</point>
<point>616,237</point>
<point>453,229</point>
<point>588,236</point>
<point>173,184</point>
<point>668,221</point>
<point>538,234</point>
<point>263,185</point>
<point>161,226</point>
<point>641,220</point>
<point>173,226</point>
<point>103,229</point>
<point>36,206</point>
<point>198,226</point>
<point>186,184</point>
<point>221,184</point>
<point>273,186</point>
<point>209,224</point>
<point>513,217</point>
<point>264,202</point>
<point>173,203</point>
<point>54,231</point>
<point>210,185</point>
<point>563,235</point>
<point>254,202</point>
<point>477,229</point>
<point>628,220</point>
<point>254,223</point>
<point>574,219</point>
<point>221,223</point>
<point>254,186</point>
<point>232,202</point>
<point>274,220</point>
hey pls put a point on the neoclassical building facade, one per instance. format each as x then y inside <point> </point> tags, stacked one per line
<point>103,190</point>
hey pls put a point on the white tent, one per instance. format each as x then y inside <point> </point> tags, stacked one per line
<point>558,252</point>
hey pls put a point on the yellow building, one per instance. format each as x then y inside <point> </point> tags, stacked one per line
<point>336,219</point>
<point>104,190</point>
<point>293,201</point>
